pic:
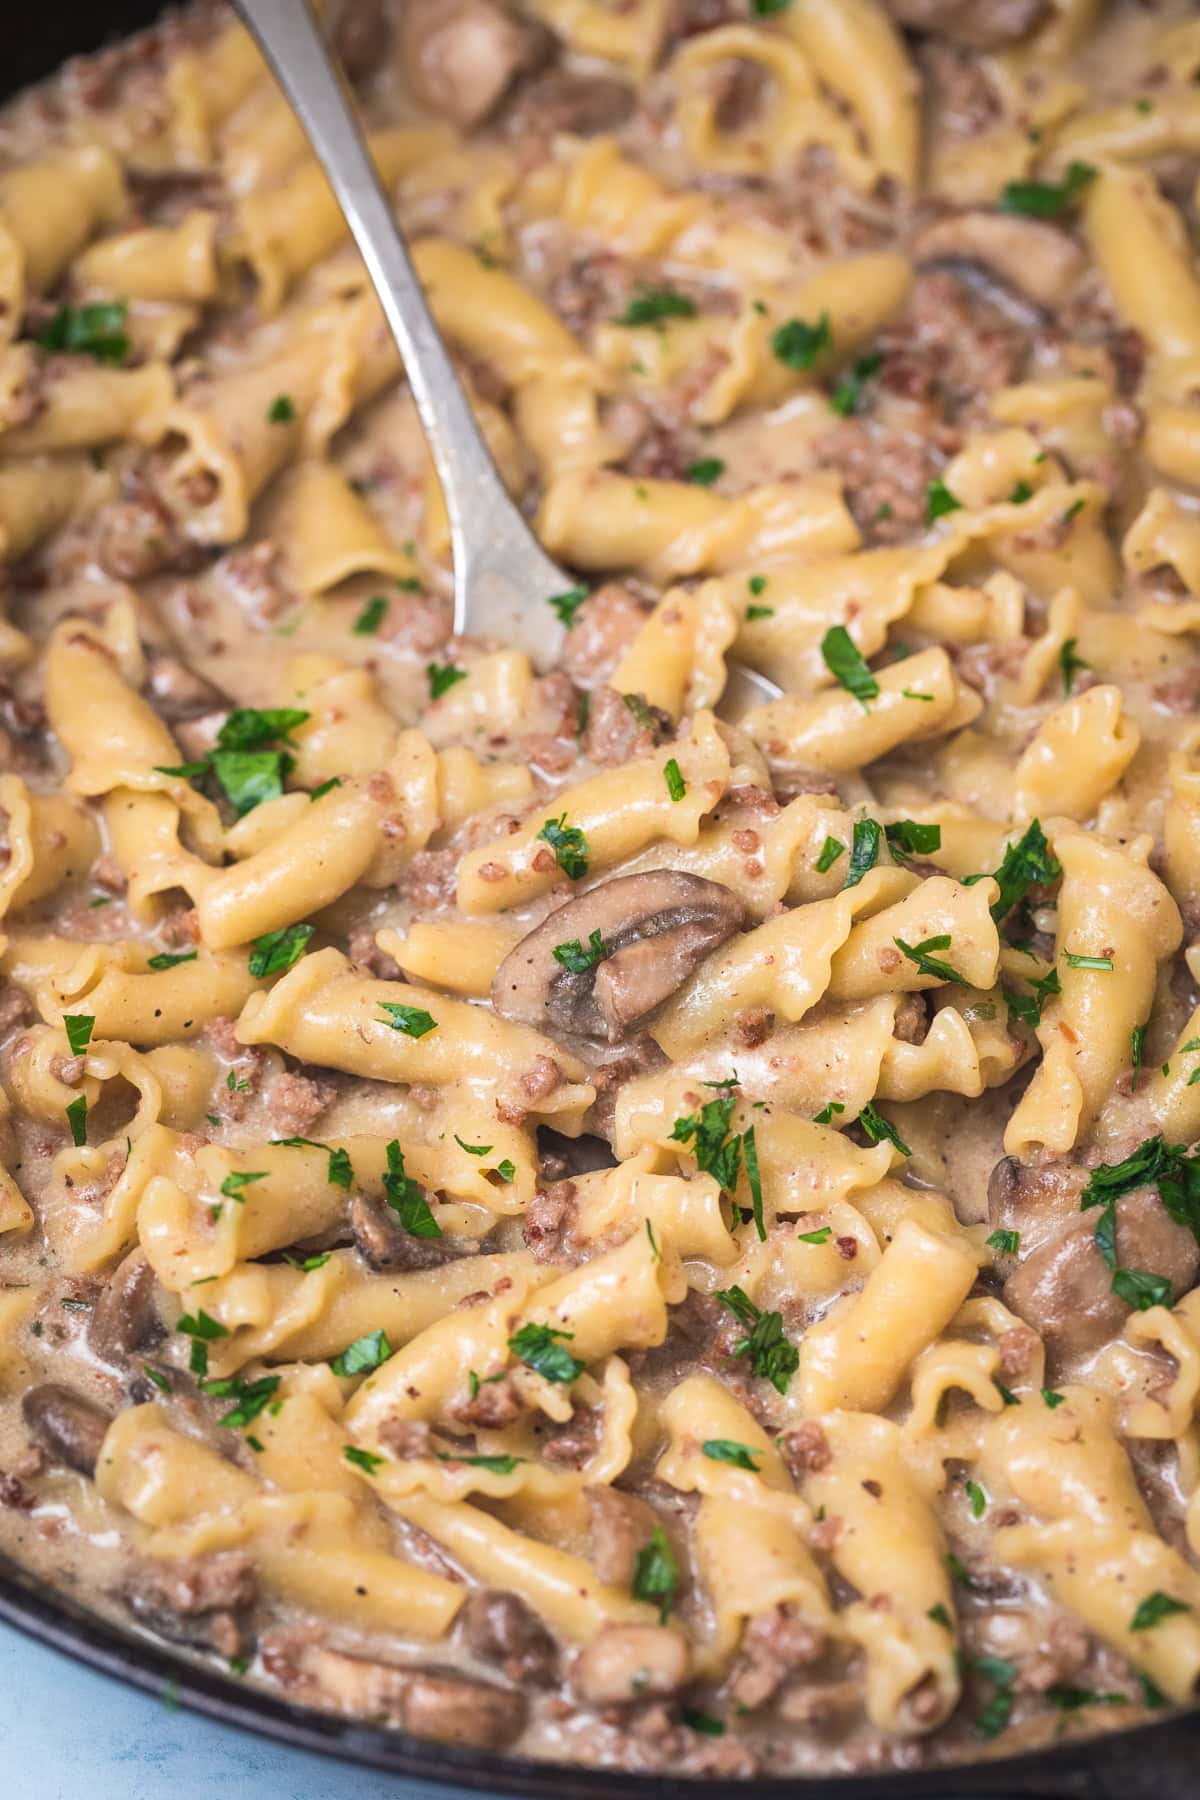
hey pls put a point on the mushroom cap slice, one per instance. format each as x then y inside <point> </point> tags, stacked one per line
<point>655,928</point>
<point>66,1425</point>
<point>1030,257</point>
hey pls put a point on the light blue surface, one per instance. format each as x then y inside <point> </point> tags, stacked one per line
<point>69,1734</point>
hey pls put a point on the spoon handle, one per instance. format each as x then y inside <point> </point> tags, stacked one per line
<point>489,537</point>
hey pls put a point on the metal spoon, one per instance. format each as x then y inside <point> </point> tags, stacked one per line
<point>502,576</point>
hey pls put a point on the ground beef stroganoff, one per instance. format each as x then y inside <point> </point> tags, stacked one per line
<point>534,1209</point>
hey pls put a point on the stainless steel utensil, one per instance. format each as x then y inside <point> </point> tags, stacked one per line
<point>502,576</point>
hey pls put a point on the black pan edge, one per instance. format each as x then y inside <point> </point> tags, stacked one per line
<point>1152,1762</point>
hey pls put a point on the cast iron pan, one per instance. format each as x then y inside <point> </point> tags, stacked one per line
<point>1154,1762</point>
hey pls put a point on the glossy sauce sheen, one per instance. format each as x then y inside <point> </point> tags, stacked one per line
<point>746,1324</point>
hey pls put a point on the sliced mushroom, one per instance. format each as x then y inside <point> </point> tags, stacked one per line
<point>626,1663</point>
<point>502,1628</point>
<point>383,1243</point>
<point>439,1703</point>
<point>560,101</point>
<point>1037,260</point>
<point>980,24</point>
<point>66,1425</point>
<point>655,929</point>
<point>125,1317</point>
<point>461,56</point>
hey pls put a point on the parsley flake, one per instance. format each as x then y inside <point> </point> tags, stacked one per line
<point>278,950</point>
<point>846,664</point>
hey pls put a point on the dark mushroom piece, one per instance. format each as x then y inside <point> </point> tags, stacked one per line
<point>1036,261</point>
<point>1064,1288</point>
<point>125,1318</point>
<point>980,24</point>
<point>655,928</point>
<point>460,57</point>
<point>383,1243</point>
<point>66,1425</point>
<point>502,1628</point>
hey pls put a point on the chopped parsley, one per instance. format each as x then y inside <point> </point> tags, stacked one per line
<point>171,959</point>
<point>157,1377</point>
<point>413,1021</point>
<point>339,1173</point>
<point>568,604</point>
<point>704,1722</point>
<point>371,617</point>
<point>1006,1394</point>
<point>931,965</point>
<point>706,471</point>
<point>821,1235</point>
<point>363,1355</point>
<point>569,845</point>
<point>246,770</point>
<point>251,1397</point>
<point>1052,1399</point>
<point>864,850</point>
<point>656,1573</point>
<point>1029,862</point>
<point>757,585</point>
<point>905,838</point>
<point>770,1354</point>
<point>281,411</point>
<point>1020,494</point>
<point>650,306</point>
<point>940,1616</point>
<point>718,1153</point>
<point>505,1170</point>
<point>97,330</point>
<point>878,1128</point>
<point>1070,664</point>
<point>326,787</point>
<point>495,1465</point>
<point>759,612</point>
<point>726,1450</point>
<point>1075,961</point>
<point>673,776</point>
<point>1007,1243</point>
<point>309,1263</point>
<point>798,344</point>
<point>846,397</point>
<point>1137,1043</point>
<point>1070,1699</point>
<point>1046,199</point>
<point>977,1498</point>
<point>655,1252</point>
<point>277,950</point>
<point>77,1120</point>
<point>366,1460</point>
<point>574,957</point>
<point>846,664</point>
<point>1028,1007</point>
<point>473,1149</point>
<point>203,1331</point>
<point>405,1198</point>
<point>939,501</point>
<point>237,1179</point>
<point>825,1116</point>
<point>442,677</point>
<point>537,1347</point>
<point>831,849</point>
<point>998,1710</point>
<point>79,1028</point>
<point>1154,1608</point>
<point>1141,1289</point>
